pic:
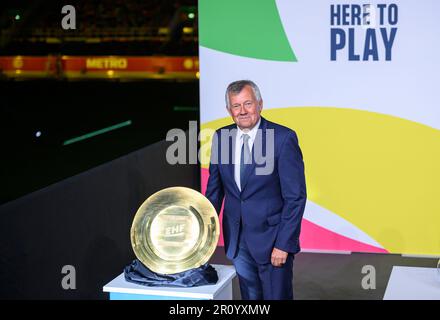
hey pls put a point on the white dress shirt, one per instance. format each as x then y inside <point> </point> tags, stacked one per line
<point>238,144</point>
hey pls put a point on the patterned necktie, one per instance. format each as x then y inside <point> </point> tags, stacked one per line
<point>245,158</point>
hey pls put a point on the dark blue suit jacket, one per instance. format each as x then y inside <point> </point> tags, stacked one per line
<point>269,207</point>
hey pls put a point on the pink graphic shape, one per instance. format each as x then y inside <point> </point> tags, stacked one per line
<point>312,236</point>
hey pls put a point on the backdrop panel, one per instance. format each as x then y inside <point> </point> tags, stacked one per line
<point>358,83</point>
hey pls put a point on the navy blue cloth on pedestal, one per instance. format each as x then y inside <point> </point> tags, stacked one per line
<point>138,273</point>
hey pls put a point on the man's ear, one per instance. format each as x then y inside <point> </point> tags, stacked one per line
<point>260,105</point>
<point>229,111</point>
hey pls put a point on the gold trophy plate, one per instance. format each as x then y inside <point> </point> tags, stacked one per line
<point>174,230</point>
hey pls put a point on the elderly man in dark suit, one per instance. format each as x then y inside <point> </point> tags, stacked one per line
<point>257,169</point>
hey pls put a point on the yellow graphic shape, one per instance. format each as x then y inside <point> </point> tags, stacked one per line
<point>379,172</point>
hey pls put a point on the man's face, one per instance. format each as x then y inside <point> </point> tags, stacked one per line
<point>245,109</point>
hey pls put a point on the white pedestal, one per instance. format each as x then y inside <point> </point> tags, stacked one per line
<point>411,283</point>
<point>120,289</point>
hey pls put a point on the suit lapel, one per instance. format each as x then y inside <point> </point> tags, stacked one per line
<point>231,162</point>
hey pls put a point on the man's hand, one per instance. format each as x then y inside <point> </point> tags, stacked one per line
<point>278,257</point>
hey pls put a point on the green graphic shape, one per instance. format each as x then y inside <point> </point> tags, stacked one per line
<point>246,28</point>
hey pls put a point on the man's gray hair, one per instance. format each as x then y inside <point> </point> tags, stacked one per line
<point>236,87</point>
